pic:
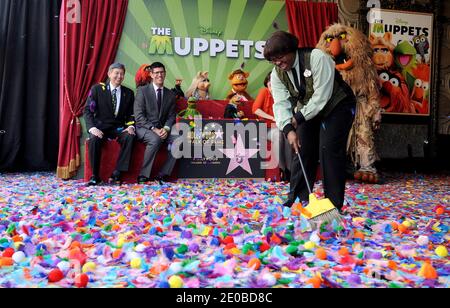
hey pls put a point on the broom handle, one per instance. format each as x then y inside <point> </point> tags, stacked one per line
<point>304,173</point>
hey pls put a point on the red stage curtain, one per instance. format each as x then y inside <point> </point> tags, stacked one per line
<point>86,50</point>
<point>307,20</point>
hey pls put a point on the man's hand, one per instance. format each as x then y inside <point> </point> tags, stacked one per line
<point>96,132</point>
<point>161,132</point>
<point>164,134</point>
<point>240,114</point>
<point>131,130</point>
<point>293,141</point>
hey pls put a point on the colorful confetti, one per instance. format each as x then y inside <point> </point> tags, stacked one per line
<point>220,233</point>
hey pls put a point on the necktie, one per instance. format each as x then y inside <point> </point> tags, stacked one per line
<point>114,101</point>
<point>159,98</point>
<point>297,84</point>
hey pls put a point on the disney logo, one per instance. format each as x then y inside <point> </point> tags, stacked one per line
<point>401,22</point>
<point>209,30</point>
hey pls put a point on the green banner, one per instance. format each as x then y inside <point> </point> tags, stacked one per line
<point>189,36</point>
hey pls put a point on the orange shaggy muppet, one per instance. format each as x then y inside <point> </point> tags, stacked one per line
<point>352,53</point>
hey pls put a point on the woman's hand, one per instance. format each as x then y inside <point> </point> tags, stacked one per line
<point>293,141</point>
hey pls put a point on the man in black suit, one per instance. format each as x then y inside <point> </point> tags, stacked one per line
<point>109,115</point>
<point>154,109</point>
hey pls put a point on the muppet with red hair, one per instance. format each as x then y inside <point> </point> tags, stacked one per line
<point>143,78</point>
<point>143,75</point>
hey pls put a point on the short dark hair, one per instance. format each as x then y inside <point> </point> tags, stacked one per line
<point>279,44</point>
<point>267,79</point>
<point>156,65</point>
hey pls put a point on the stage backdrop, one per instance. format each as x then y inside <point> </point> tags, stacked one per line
<point>200,35</point>
<point>402,43</point>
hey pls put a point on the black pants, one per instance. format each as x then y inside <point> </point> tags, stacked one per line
<point>95,150</point>
<point>324,139</point>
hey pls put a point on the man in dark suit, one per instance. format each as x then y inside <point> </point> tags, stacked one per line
<point>154,109</point>
<point>109,115</point>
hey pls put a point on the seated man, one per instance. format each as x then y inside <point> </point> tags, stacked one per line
<point>109,114</point>
<point>154,109</point>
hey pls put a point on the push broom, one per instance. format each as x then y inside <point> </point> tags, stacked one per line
<point>318,211</point>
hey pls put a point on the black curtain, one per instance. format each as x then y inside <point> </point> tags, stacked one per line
<point>29,84</point>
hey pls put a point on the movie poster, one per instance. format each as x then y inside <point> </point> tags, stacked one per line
<point>402,44</point>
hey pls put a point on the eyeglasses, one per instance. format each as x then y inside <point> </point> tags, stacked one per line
<point>277,58</point>
<point>159,73</point>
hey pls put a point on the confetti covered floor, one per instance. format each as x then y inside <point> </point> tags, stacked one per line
<point>219,234</point>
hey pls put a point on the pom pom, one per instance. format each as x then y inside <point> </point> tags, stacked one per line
<point>175,282</point>
<point>81,281</point>
<point>55,275</point>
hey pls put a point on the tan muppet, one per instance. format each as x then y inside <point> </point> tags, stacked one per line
<point>352,54</point>
<point>239,83</point>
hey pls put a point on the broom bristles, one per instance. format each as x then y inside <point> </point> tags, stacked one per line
<point>326,217</point>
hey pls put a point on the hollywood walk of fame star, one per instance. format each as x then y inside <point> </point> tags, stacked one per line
<point>219,134</point>
<point>239,156</point>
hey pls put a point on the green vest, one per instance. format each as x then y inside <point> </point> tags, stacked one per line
<point>299,99</point>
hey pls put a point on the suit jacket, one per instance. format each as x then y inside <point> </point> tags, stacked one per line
<point>99,111</point>
<point>231,112</point>
<point>147,113</point>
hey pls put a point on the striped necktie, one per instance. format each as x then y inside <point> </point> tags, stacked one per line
<point>114,101</point>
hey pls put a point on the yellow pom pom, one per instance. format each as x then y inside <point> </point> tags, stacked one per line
<point>120,242</point>
<point>256,215</point>
<point>206,231</point>
<point>234,251</point>
<point>441,251</point>
<point>309,245</point>
<point>136,263</point>
<point>175,282</point>
<point>407,224</point>
<point>89,267</point>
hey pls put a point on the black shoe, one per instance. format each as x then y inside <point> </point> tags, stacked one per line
<point>161,179</point>
<point>115,178</point>
<point>94,181</point>
<point>288,203</point>
<point>142,179</point>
